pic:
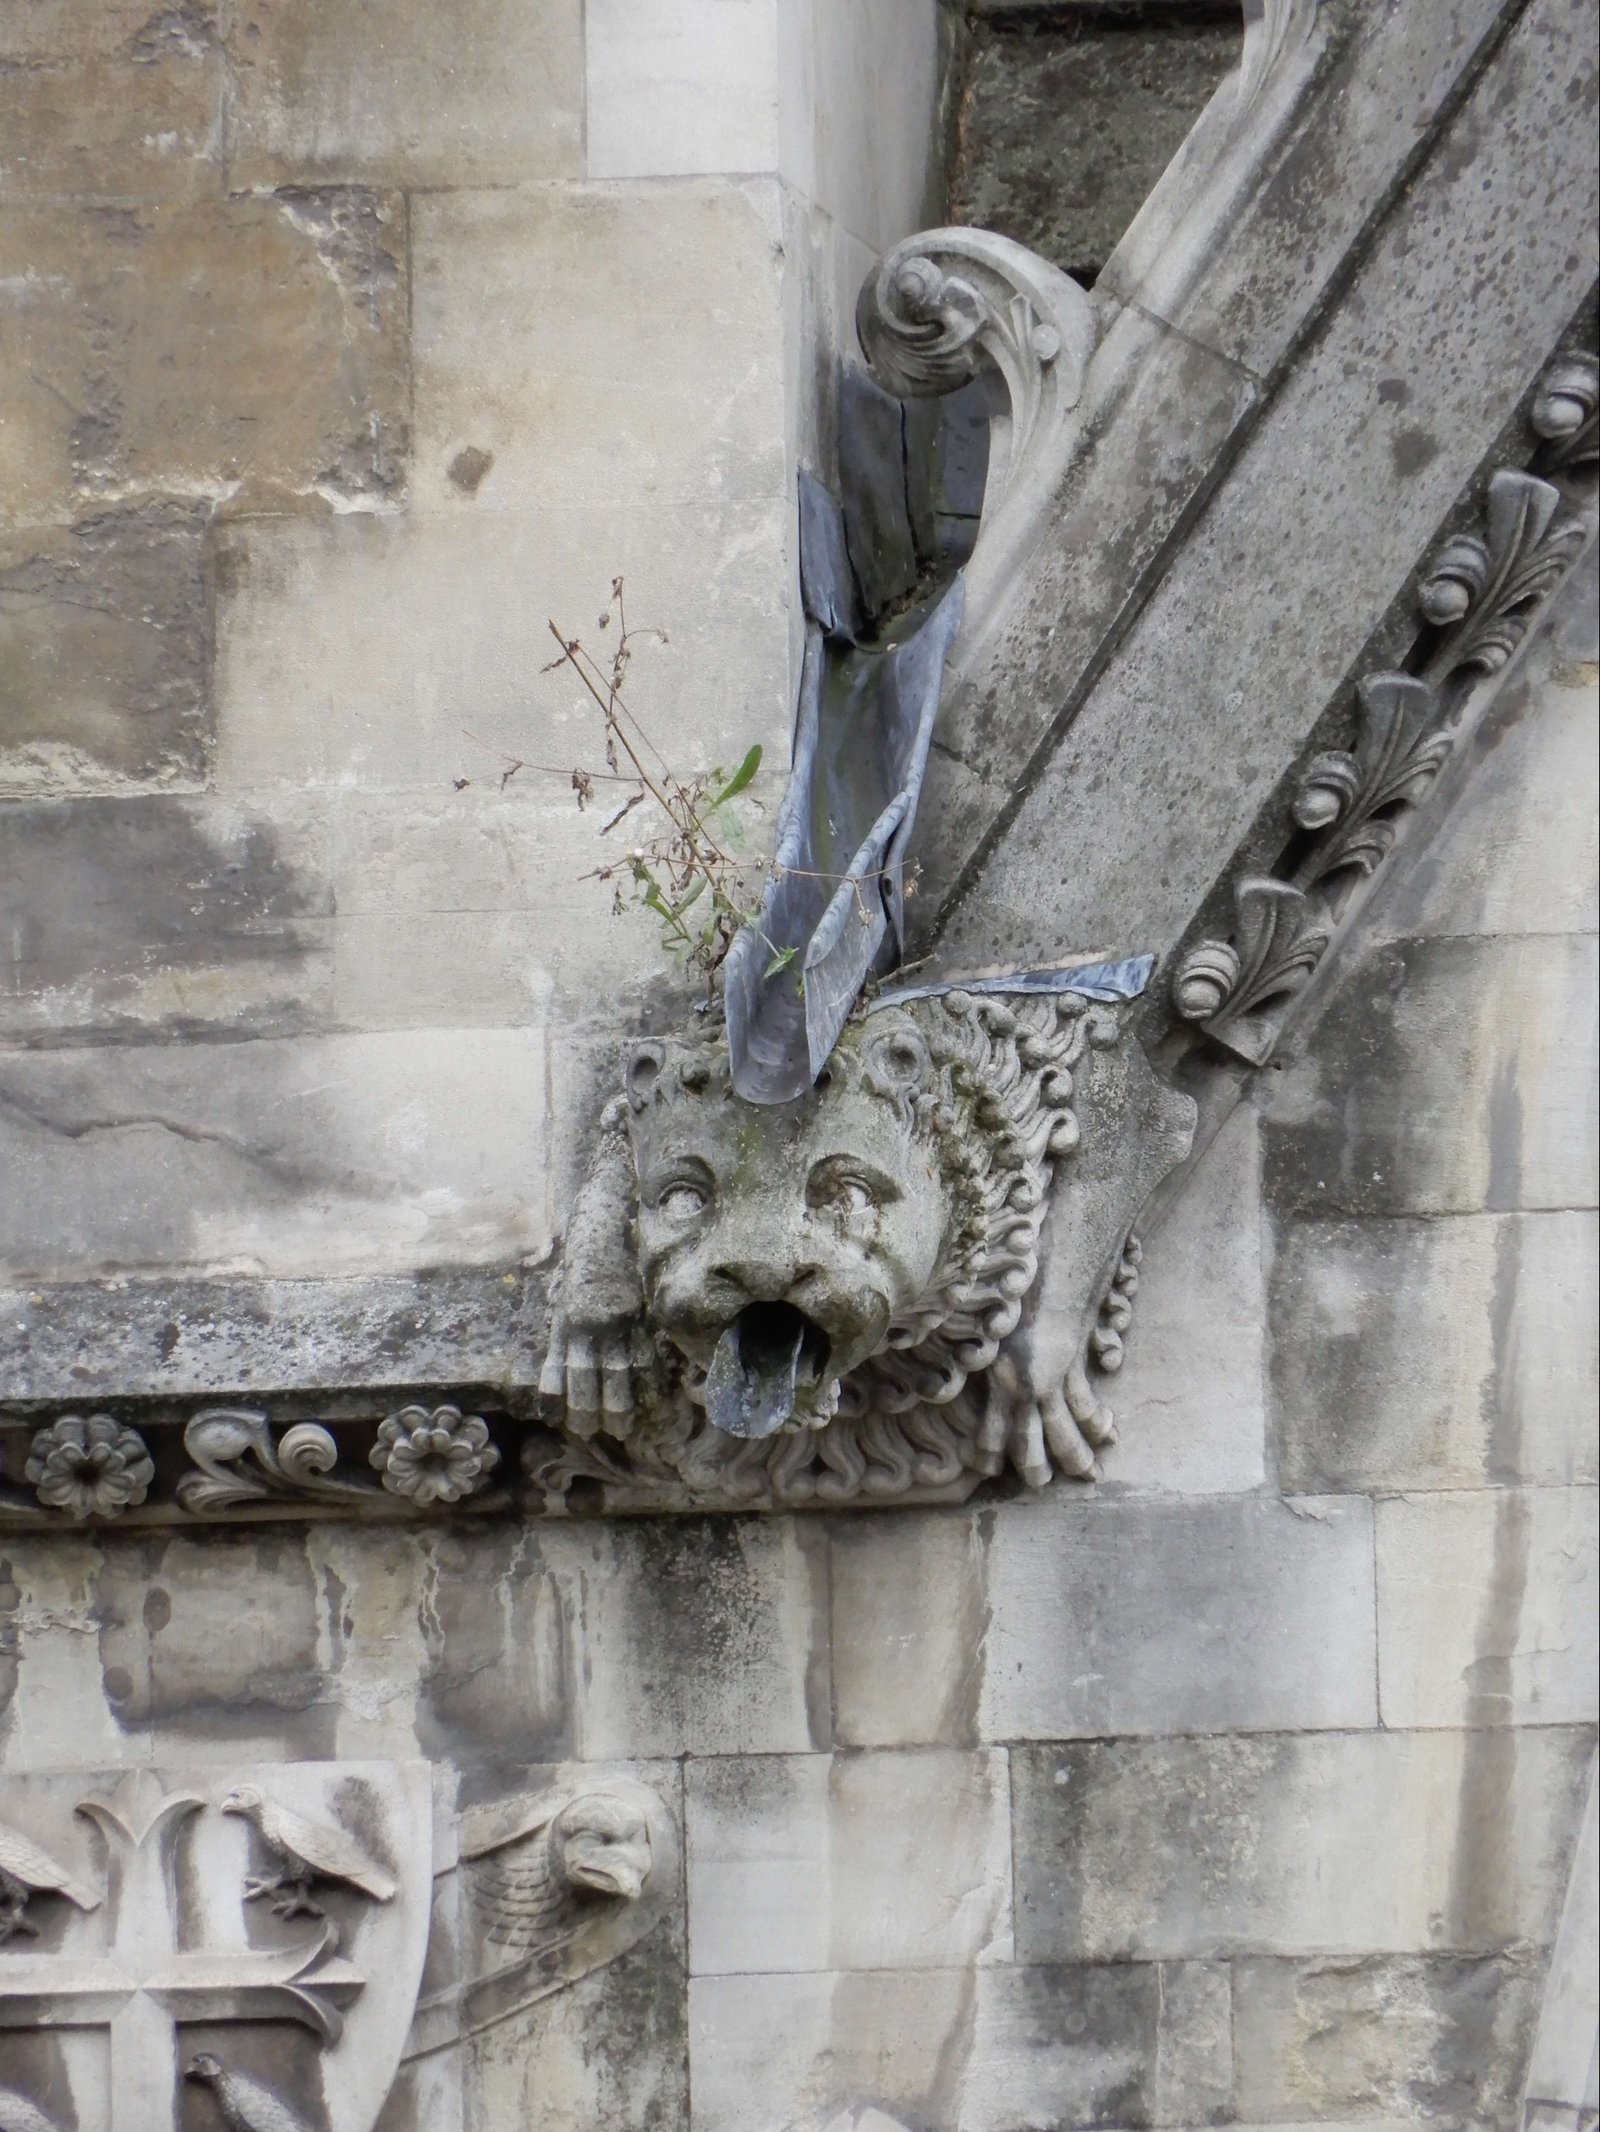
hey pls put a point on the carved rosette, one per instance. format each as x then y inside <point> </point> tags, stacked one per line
<point>437,1455</point>
<point>90,1466</point>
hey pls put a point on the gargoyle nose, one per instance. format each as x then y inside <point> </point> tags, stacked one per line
<point>765,1280</point>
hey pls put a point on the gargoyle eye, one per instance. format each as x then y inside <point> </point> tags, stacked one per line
<point>841,1191</point>
<point>682,1201</point>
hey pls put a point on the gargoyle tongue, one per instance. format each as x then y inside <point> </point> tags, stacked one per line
<point>751,1384</point>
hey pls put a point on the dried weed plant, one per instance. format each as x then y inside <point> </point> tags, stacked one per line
<point>694,873</point>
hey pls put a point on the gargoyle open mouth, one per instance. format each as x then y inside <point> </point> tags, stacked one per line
<point>766,1359</point>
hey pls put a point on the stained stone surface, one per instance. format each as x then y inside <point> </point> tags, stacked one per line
<point>398,94</point>
<point>105,632</point>
<point>1196,1847</point>
<point>1240,1787</point>
<point>1363,1398</point>
<point>1065,124</point>
<point>274,374</point>
<point>1267,1603</point>
<point>1418,2035</point>
<point>1488,1606</point>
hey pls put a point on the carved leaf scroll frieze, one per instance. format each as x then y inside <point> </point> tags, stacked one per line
<point>1484,590</point>
<point>1566,414</point>
<point>239,1460</point>
<point>1481,593</point>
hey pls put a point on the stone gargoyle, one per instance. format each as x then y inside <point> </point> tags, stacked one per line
<point>887,1289</point>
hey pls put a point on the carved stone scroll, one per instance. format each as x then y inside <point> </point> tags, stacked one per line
<point>950,305</point>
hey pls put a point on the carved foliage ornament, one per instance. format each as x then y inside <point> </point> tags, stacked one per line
<point>1480,593</point>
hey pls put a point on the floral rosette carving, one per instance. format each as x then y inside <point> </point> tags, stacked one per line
<point>434,1454</point>
<point>90,1466</point>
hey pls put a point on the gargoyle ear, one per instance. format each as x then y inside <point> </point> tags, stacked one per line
<point>642,1072</point>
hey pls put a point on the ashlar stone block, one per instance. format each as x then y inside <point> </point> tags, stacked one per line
<point>392,92</point>
<point>848,1862</point>
<point>867,150</point>
<point>992,2050</point>
<point>342,1154</point>
<point>380,652</point>
<point>1447,1076</point>
<point>1428,2037</point>
<point>610,2050</point>
<point>273,373</point>
<point>910,1612</point>
<point>771,2053</point>
<point>675,90</point>
<point>1337,1843</point>
<point>1189,1398</point>
<point>162,915</point>
<point>105,654</point>
<point>600,345</point>
<point>1452,1353</point>
<point>1487,1607</point>
<point>114,101</point>
<point>1246,1614</point>
<point>699,1636</point>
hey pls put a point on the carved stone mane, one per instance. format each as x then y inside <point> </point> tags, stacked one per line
<point>879,1291</point>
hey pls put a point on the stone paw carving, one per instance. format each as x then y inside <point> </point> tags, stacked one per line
<point>597,1352</point>
<point>304,1851</point>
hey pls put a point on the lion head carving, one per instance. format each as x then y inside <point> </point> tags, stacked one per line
<point>810,1301</point>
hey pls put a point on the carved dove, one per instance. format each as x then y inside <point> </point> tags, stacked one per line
<point>17,2114</point>
<point>537,1893</point>
<point>246,2105</point>
<point>306,1851</point>
<point>27,1870</point>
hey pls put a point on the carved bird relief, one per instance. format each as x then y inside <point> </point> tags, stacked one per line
<point>536,1893</point>
<point>304,1851</point>
<point>26,1870</point>
<point>246,2105</point>
<point>17,2114</point>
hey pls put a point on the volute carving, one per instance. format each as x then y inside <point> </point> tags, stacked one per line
<point>950,305</point>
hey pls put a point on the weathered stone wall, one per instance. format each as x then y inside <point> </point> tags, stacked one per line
<point>1241,1788</point>
<point>343,349</point>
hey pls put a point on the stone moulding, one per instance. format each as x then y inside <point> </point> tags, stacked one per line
<point>1344,810</point>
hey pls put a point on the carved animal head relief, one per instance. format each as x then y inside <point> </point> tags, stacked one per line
<point>807,1302</point>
